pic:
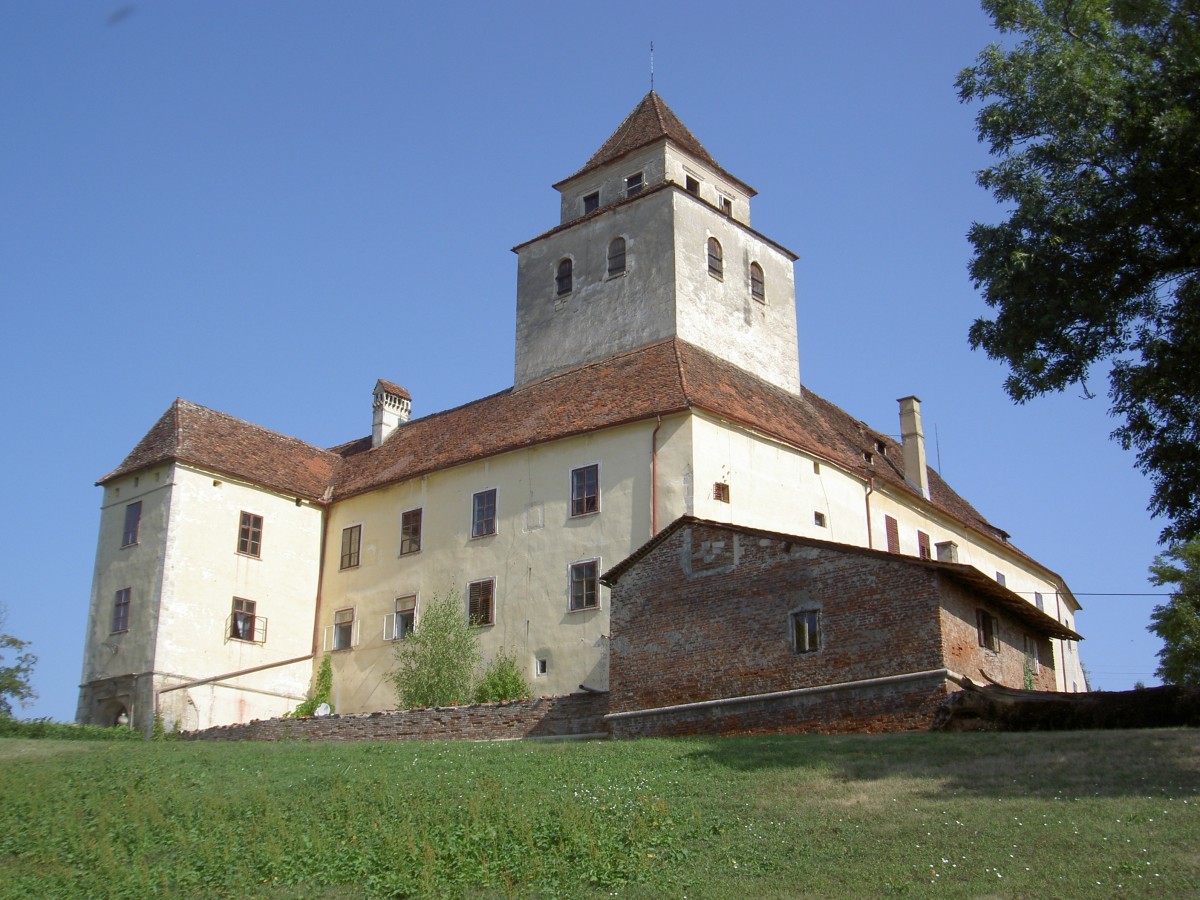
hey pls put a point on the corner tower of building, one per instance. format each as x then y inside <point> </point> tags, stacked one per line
<point>655,242</point>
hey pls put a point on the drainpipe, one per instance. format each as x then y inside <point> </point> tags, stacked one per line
<point>654,478</point>
<point>867,499</point>
<point>320,578</point>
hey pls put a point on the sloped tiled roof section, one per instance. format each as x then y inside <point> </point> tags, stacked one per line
<point>202,437</point>
<point>651,120</point>
<point>625,388</point>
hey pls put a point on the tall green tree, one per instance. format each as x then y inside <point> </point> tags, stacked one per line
<point>15,676</point>
<point>1178,622</point>
<point>1093,114</point>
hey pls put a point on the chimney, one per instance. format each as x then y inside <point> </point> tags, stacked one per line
<point>392,406</point>
<point>915,471</point>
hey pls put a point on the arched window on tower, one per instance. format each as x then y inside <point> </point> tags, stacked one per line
<point>716,264</point>
<point>758,287</point>
<point>563,279</point>
<point>616,256</point>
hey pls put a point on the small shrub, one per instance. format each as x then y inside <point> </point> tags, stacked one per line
<point>501,681</point>
<point>320,693</point>
<point>436,663</point>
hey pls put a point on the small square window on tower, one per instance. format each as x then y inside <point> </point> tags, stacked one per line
<point>691,185</point>
<point>633,184</point>
<point>819,519</point>
<point>591,202</point>
<point>721,492</point>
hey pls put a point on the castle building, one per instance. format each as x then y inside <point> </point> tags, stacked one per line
<point>657,376</point>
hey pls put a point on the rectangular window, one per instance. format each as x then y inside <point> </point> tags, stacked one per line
<point>819,519</point>
<point>1037,598</point>
<point>241,626</point>
<point>410,532</point>
<point>483,513</point>
<point>351,542</point>
<point>120,620</point>
<point>343,628</point>
<point>726,204</point>
<point>400,624</point>
<point>721,492</point>
<point>585,585</point>
<point>133,522</point>
<point>893,534</point>
<point>633,184</point>
<point>481,602</point>
<point>988,629</point>
<point>691,185</point>
<point>591,202</point>
<point>585,490</point>
<point>250,534</point>
<point>806,631</point>
<point>924,550</point>
<point>1000,579</point>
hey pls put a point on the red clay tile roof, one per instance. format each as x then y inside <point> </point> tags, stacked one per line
<point>651,120</point>
<point>392,388</point>
<point>211,440</point>
<point>969,576</point>
<point>660,379</point>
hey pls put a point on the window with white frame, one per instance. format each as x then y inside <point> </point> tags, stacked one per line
<point>585,585</point>
<point>585,490</point>
<point>342,629</point>
<point>634,184</point>
<point>806,630</point>
<point>481,602</point>
<point>410,532</point>
<point>399,624</point>
<point>133,522</point>
<point>351,544</point>
<point>483,513</point>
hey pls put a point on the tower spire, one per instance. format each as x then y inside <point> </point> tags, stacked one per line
<point>652,67</point>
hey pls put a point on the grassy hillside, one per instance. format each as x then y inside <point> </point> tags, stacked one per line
<point>1034,815</point>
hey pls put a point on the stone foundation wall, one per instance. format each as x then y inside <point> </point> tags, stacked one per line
<point>574,715</point>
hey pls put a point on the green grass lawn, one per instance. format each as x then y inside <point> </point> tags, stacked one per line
<point>1006,815</point>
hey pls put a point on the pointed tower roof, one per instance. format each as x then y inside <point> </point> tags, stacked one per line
<point>651,120</point>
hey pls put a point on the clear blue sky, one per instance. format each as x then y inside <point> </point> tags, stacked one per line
<point>263,207</point>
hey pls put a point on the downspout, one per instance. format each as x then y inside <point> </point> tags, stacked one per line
<point>867,499</point>
<point>320,576</point>
<point>654,478</point>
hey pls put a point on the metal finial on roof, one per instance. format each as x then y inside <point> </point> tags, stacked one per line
<point>652,66</point>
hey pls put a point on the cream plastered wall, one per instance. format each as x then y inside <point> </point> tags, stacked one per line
<point>776,487</point>
<point>529,556</point>
<point>138,567</point>
<point>205,572</point>
<point>718,313</point>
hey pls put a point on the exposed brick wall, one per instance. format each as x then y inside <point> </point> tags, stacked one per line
<point>688,624</point>
<point>900,707</point>
<point>963,653</point>
<point>573,715</point>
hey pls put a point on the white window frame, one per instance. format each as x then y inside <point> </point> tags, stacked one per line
<point>391,619</point>
<point>330,635</point>
<point>571,607</point>
<point>640,175</point>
